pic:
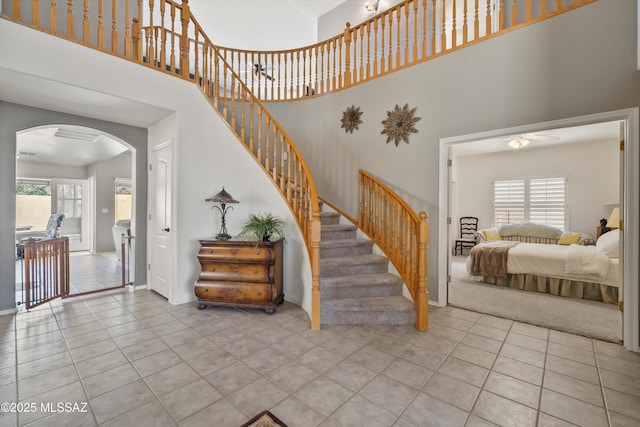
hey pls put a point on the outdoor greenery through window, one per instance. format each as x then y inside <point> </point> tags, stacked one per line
<point>540,200</point>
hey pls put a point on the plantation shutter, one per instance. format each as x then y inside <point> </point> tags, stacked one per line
<point>547,201</point>
<point>508,201</point>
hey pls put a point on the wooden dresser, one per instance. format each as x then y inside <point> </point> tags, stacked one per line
<point>240,273</point>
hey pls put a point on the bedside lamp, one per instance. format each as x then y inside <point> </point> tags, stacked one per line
<point>223,198</point>
<point>614,219</point>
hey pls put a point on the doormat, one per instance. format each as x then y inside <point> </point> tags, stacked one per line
<point>264,419</point>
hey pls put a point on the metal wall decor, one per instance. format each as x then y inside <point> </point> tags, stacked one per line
<point>351,118</point>
<point>399,124</point>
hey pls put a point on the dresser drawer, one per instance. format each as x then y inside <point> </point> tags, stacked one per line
<point>233,291</point>
<point>237,253</point>
<point>241,272</point>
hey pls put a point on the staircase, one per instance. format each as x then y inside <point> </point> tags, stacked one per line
<point>355,285</point>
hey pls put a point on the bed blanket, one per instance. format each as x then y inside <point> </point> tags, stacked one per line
<point>586,260</point>
<point>490,259</point>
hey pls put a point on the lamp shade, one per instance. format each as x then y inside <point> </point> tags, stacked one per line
<point>614,218</point>
<point>222,197</point>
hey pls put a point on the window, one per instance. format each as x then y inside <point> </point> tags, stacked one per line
<point>123,199</point>
<point>33,203</point>
<point>540,200</point>
<point>69,200</point>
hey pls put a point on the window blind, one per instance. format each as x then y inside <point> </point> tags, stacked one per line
<point>540,200</point>
<point>509,201</point>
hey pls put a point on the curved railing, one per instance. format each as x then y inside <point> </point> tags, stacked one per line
<point>401,233</point>
<point>179,46</point>
<point>408,33</point>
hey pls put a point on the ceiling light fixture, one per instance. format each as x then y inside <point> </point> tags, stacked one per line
<point>76,134</point>
<point>372,6</point>
<point>518,142</point>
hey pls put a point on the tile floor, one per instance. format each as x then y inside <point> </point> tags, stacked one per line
<point>135,360</point>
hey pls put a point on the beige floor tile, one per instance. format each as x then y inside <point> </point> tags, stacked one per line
<point>266,360</point>
<point>495,322</point>
<point>8,374</point>
<point>88,338</point>
<point>34,353</point>
<point>171,378</point>
<point>578,389</point>
<point>193,349</point>
<point>82,329</point>
<point>321,360</point>
<point>101,363</point>
<point>524,355</point>
<point>389,393</point>
<point>513,389</point>
<point>454,323</point>
<point>293,376</point>
<point>424,357</point>
<point>169,328</point>
<point>293,412</point>
<point>159,319</point>
<point>150,414</point>
<point>620,382</point>
<point>571,340</point>
<point>39,366</point>
<point>464,371</point>
<point>572,410</point>
<point>344,346</point>
<point>623,403</point>
<point>475,421</point>
<point>572,353</point>
<point>618,420</point>
<point>67,419</point>
<point>482,343</point>
<point>138,336</point>
<point>620,366</point>
<point>455,392</point>
<point>210,361</point>
<point>526,341</point>
<point>180,337</point>
<point>245,348</point>
<point>222,411</point>
<point>437,412</point>
<point>109,380</point>
<point>487,331</point>
<point>46,381</point>
<point>92,350</point>
<point>257,396</point>
<point>71,393</point>
<point>231,378</point>
<point>144,349</point>
<point>522,371</point>
<point>127,328</point>
<point>121,400</point>
<point>436,343</point>
<point>361,412</point>
<point>503,411</point>
<point>442,331</point>
<point>546,420</point>
<point>31,341</point>
<point>474,355</point>
<point>573,369</point>
<point>530,330</point>
<point>408,373</point>
<point>189,399</point>
<point>323,395</point>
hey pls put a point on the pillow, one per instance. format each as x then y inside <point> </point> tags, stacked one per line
<point>567,238</point>
<point>608,244</point>
<point>491,234</point>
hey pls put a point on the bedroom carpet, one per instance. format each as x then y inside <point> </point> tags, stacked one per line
<point>582,317</point>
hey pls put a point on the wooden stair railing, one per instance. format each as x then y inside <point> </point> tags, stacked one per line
<point>411,32</point>
<point>180,47</point>
<point>401,233</point>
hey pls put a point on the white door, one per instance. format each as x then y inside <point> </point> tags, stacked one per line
<point>69,196</point>
<point>160,219</point>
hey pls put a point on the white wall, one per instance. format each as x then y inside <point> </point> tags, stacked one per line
<point>592,169</point>
<point>333,22</point>
<point>28,169</point>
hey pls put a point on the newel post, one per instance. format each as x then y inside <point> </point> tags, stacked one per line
<point>347,55</point>
<point>315,270</point>
<point>136,39</point>
<point>184,39</point>
<point>422,297</point>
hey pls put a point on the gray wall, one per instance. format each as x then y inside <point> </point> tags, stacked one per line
<point>13,118</point>
<point>574,64</point>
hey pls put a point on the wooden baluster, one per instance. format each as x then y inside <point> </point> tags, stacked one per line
<point>251,114</point>
<point>347,55</point>
<point>454,38</point>
<point>368,66</point>
<point>16,15</point>
<point>443,33</point>
<point>259,143</point>
<point>298,82</point>
<point>399,41</point>
<point>476,22</point>
<point>464,24</point>
<point>415,32</point>
<point>70,18</point>
<point>231,122</point>
<point>267,149</point>
<point>163,39</point>
<point>314,50</point>
<point>271,82</point>
<point>527,11</point>
<point>375,46</point>
<point>289,161</point>
<point>101,24</point>
<point>501,16</point>
<point>543,7</point>
<point>35,13</point>
<point>558,5</point>
<point>382,44</point>
<point>172,54</point>
<point>355,57</point>
<point>422,300</point>
<point>135,40</point>
<point>321,88</point>
<point>361,71</point>
<point>514,13</point>
<point>114,25</point>
<point>274,172</point>
<point>196,65</point>
<point>282,162</point>
<point>488,18</point>
<point>185,15</point>
<point>390,55</point>
<point>53,25</point>
<point>127,29</point>
<point>424,28</point>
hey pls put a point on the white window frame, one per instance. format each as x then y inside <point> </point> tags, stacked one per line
<point>531,199</point>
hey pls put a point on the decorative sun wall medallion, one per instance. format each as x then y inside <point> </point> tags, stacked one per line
<point>399,124</point>
<point>351,119</point>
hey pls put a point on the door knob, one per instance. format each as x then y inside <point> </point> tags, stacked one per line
<point>166,229</point>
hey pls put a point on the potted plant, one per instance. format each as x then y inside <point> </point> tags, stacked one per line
<point>263,226</point>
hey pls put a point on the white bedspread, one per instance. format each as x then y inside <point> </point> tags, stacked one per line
<point>553,261</point>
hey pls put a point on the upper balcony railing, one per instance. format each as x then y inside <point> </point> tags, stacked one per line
<point>410,32</point>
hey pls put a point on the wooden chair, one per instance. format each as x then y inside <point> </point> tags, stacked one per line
<point>468,228</point>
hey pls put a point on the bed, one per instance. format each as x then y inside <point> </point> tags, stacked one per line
<point>589,272</point>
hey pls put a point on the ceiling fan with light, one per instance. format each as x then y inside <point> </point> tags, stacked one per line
<point>522,140</point>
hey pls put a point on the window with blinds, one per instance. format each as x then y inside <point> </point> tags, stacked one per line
<point>540,200</point>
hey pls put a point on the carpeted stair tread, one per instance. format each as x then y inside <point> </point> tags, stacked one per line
<point>394,310</point>
<point>353,265</point>
<point>329,218</point>
<point>345,248</point>
<point>338,232</point>
<point>360,286</point>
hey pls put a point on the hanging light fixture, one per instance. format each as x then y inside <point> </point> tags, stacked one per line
<point>372,6</point>
<point>223,198</point>
<point>518,142</point>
